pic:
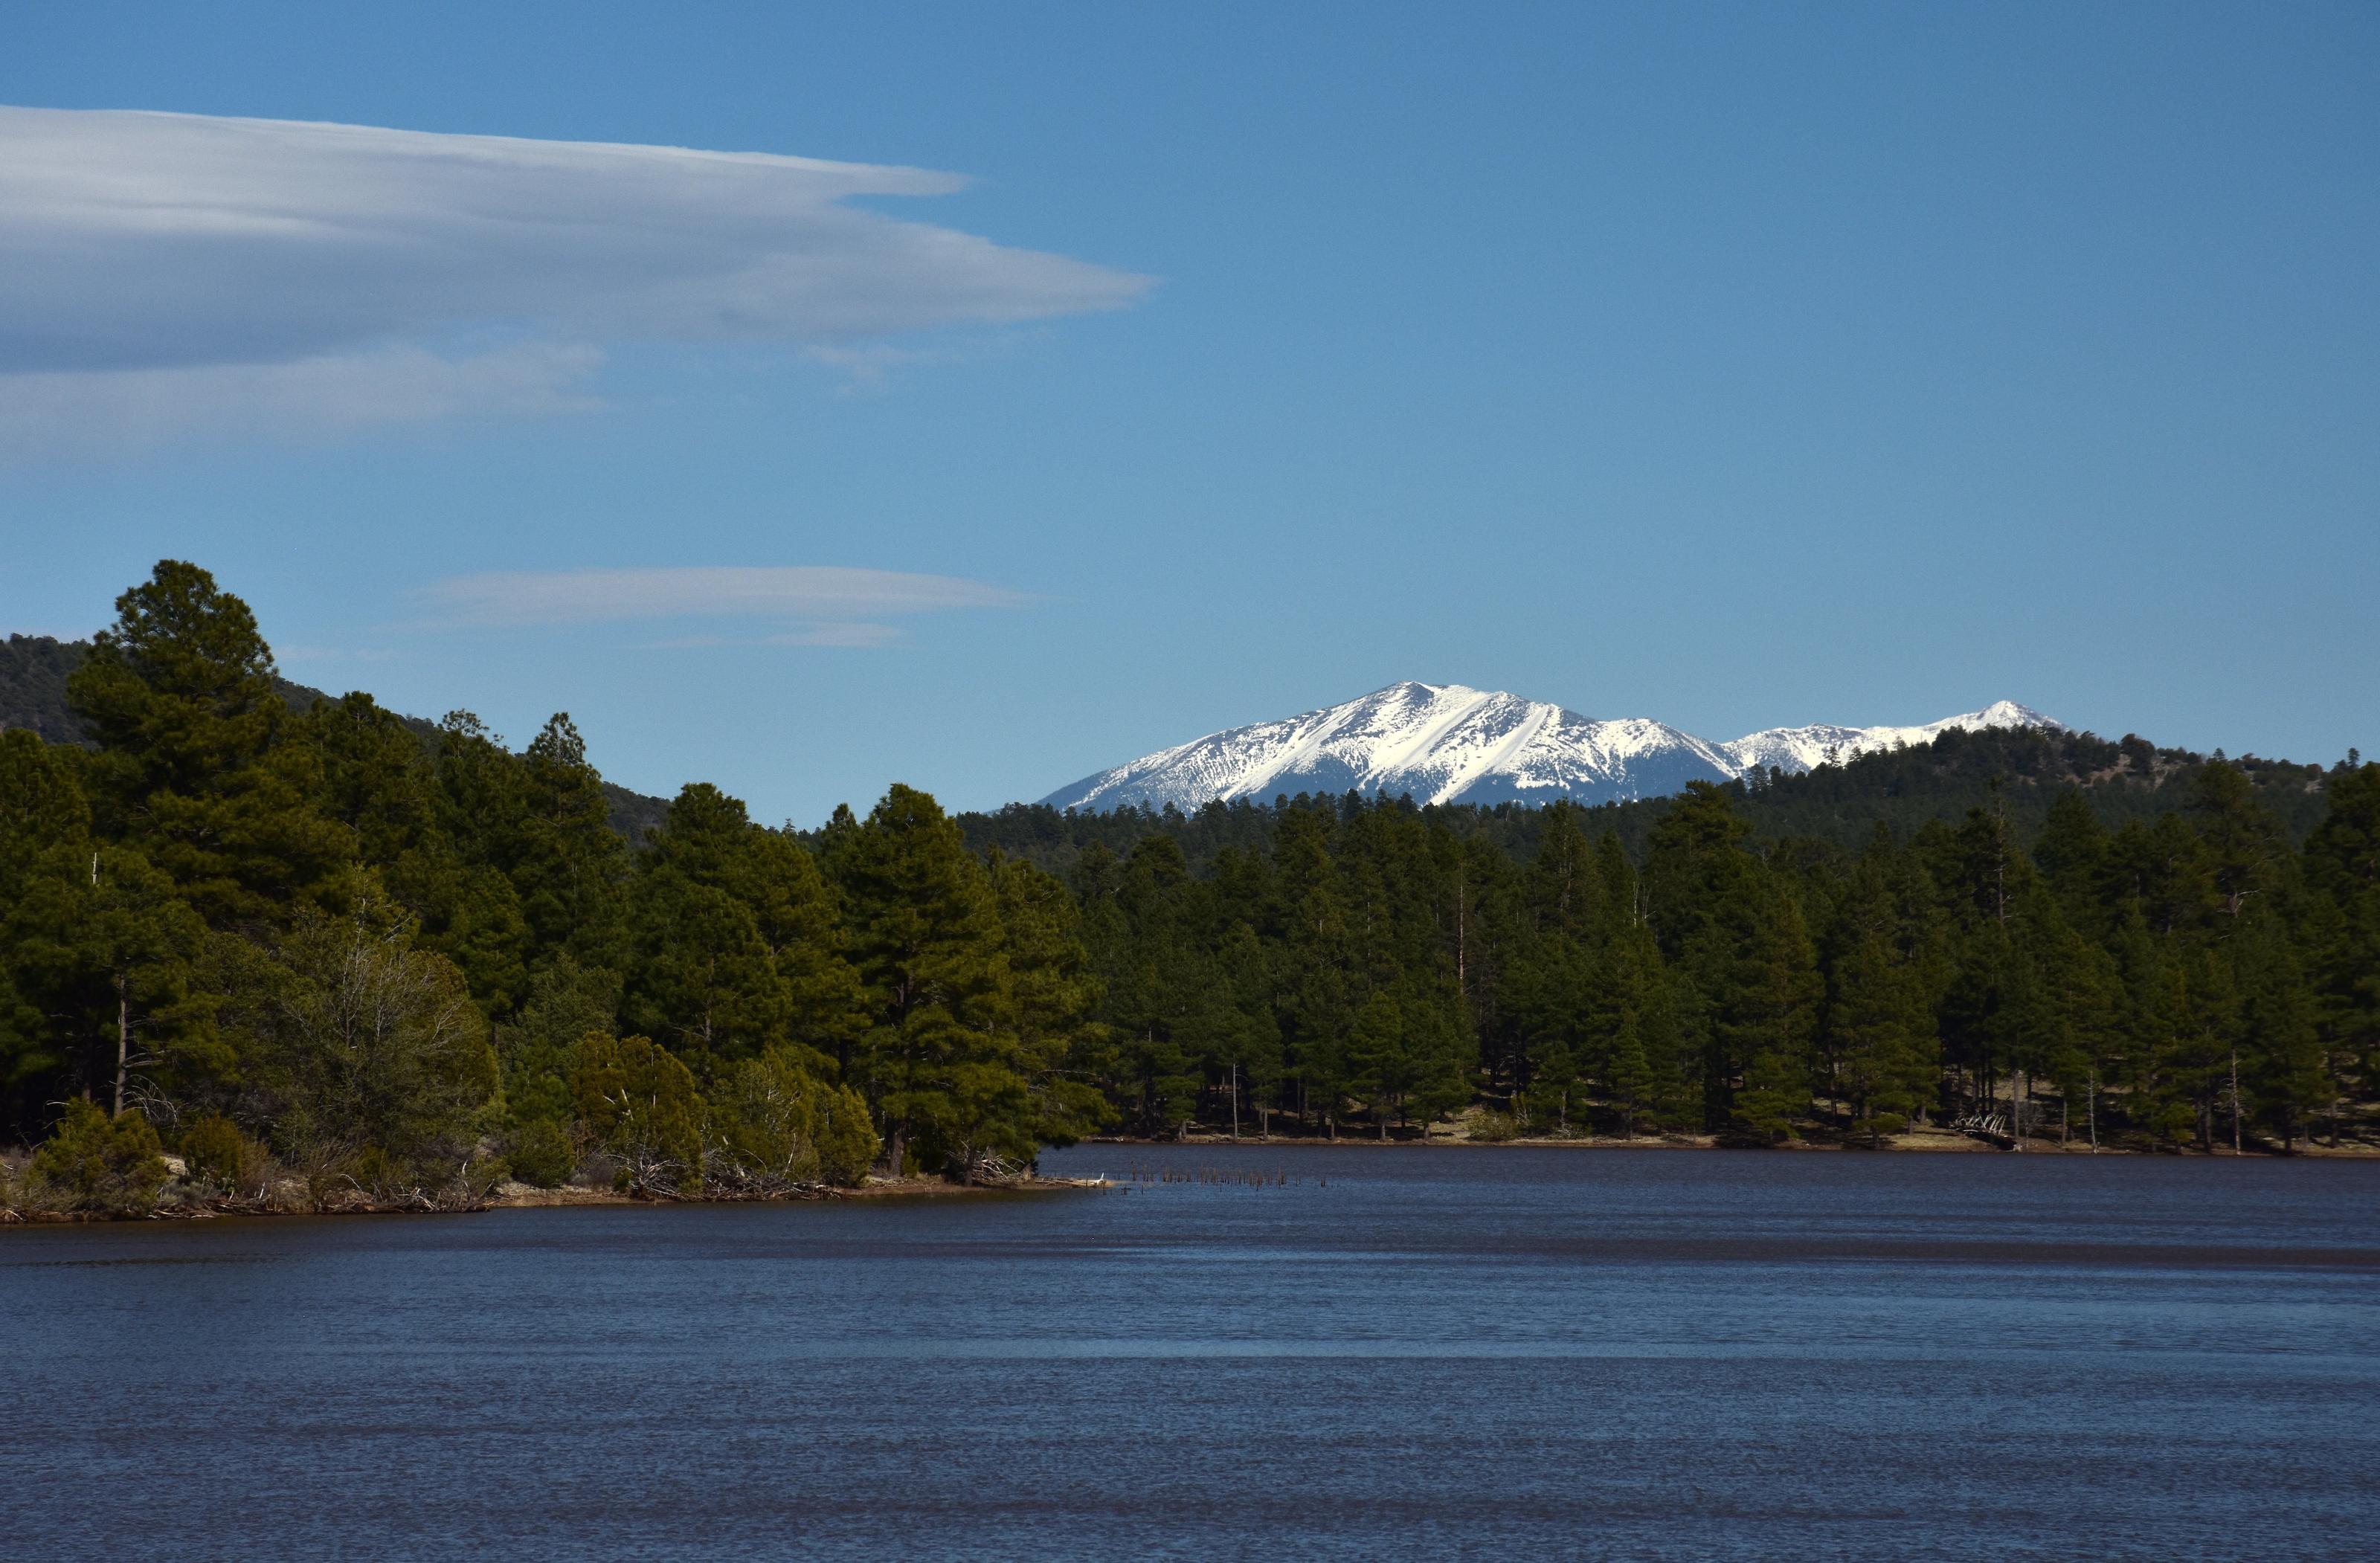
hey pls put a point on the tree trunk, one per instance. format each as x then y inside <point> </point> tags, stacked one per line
<point>2235,1099</point>
<point>123,1038</point>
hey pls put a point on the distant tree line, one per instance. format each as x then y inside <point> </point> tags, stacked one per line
<point>325,944</point>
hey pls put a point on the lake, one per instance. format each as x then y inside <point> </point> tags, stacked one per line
<point>1398,1351</point>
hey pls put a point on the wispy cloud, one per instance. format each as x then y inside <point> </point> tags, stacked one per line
<point>855,636</point>
<point>865,637</point>
<point>226,263</point>
<point>829,600</point>
<point>75,412</point>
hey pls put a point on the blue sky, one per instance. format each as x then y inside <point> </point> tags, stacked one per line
<point>1730,365</point>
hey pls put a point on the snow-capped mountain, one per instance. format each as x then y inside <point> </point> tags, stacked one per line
<point>1445,743</point>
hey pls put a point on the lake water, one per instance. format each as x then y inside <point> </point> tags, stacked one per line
<point>1645,1353</point>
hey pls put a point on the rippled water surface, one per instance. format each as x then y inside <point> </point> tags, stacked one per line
<point>1651,1353</point>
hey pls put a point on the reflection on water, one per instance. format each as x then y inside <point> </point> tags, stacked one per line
<point>1602,1352</point>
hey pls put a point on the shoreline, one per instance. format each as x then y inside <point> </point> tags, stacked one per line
<point>526,1196</point>
<point>1940,1141</point>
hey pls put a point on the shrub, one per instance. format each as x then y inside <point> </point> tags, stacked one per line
<point>776,1124</point>
<point>846,1138</point>
<point>96,1162</point>
<point>378,1173</point>
<point>639,1103</point>
<point>1495,1128</point>
<point>543,1154</point>
<point>221,1156</point>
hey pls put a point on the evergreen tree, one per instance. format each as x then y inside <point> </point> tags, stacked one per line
<point>1061,1044</point>
<point>569,867</point>
<point>104,964</point>
<point>195,766</point>
<point>2342,870</point>
<point>941,1060</point>
<point>566,1001</point>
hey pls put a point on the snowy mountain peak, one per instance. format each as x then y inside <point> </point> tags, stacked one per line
<point>1447,742</point>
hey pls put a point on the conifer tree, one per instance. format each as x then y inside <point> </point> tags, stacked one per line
<point>2342,870</point>
<point>1062,1045</point>
<point>569,867</point>
<point>195,768</point>
<point>941,1060</point>
<point>108,956</point>
<point>1308,917</point>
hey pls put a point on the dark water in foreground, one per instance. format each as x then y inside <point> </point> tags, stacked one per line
<point>1579,1354</point>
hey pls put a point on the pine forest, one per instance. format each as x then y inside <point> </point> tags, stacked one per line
<point>323,946</point>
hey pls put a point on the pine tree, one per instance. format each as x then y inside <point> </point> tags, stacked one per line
<point>566,1001</point>
<point>1309,919</point>
<point>568,865</point>
<point>45,839</point>
<point>107,955</point>
<point>1061,1044</point>
<point>941,1060</point>
<point>2285,1082</point>
<point>2072,856</point>
<point>2342,871</point>
<point>195,768</point>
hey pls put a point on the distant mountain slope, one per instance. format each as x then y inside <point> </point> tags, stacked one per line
<point>1836,808</point>
<point>1446,744</point>
<point>33,672</point>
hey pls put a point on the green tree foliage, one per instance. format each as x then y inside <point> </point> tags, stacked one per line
<point>535,1049</point>
<point>636,1103</point>
<point>391,951</point>
<point>346,1037</point>
<point>739,945</point>
<point>543,1154</point>
<point>224,1158</point>
<point>775,1126</point>
<point>198,766</point>
<point>945,1060</point>
<point>99,1162</point>
<point>104,970</point>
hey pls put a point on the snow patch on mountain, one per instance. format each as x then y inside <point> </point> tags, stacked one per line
<point>1444,743</point>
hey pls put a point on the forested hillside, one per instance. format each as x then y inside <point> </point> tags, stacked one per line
<point>325,940</point>
<point>2019,772</point>
<point>33,673</point>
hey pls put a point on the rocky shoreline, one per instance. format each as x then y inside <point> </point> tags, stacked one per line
<point>512,1195</point>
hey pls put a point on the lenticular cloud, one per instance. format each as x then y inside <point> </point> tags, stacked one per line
<point>133,243</point>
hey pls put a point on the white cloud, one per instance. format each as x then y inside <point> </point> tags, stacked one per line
<point>160,243</point>
<point>77,411</point>
<point>831,597</point>
<point>851,636</point>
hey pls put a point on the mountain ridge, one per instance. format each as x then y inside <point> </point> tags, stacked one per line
<point>34,670</point>
<point>1453,743</point>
